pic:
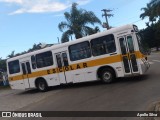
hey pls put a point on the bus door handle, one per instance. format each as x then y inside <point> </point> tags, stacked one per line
<point>131,55</point>
<point>89,72</point>
<point>128,55</point>
<point>112,54</point>
<point>77,74</point>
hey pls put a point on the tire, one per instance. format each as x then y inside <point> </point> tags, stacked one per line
<point>42,85</point>
<point>107,75</point>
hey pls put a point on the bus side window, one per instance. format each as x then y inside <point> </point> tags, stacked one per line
<point>130,44</point>
<point>80,51</point>
<point>103,45</point>
<point>24,69</point>
<point>44,59</point>
<point>59,62</point>
<point>123,46</point>
<point>33,60</point>
<point>65,59</point>
<point>14,67</point>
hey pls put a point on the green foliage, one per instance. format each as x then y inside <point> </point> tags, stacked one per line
<point>34,47</point>
<point>3,65</point>
<point>155,7</point>
<point>77,21</point>
<point>152,10</point>
<point>148,12</point>
<point>152,33</point>
<point>11,55</point>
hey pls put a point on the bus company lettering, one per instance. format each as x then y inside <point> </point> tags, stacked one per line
<point>71,67</point>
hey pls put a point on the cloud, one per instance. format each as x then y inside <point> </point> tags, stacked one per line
<point>12,1</point>
<point>41,6</point>
<point>83,2</point>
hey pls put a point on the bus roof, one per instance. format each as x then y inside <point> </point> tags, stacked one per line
<point>112,30</point>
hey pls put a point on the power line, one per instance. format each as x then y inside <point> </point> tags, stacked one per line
<point>131,22</point>
<point>125,20</point>
<point>137,21</point>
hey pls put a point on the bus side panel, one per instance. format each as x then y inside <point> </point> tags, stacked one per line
<point>18,84</point>
<point>117,67</point>
<point>32,82</point>
<point>90,73</point>
<point>16,81</point>
<point>51,80</point>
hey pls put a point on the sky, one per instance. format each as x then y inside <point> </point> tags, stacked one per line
<point>27,22</point>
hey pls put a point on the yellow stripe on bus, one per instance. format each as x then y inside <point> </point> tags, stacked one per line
<point>92,63</point>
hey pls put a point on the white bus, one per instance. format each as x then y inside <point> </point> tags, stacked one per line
<point>107,55</point>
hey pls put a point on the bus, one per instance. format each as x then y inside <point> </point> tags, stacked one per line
<point>104,56</point>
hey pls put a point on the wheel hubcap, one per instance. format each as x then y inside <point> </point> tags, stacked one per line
<point>107,76</point>
<point>41,86</point>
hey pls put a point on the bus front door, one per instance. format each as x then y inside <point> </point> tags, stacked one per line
<point>26,69</point>
<point>63,67</point>
<point>128,55</point>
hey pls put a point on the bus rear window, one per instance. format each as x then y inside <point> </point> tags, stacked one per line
<point>14,67</point>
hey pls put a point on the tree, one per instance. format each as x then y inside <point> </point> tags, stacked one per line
<point>151,35</point>
<point>11,55</point>
<point>3,67</point>
<point>152,32</point>
<point>148,12</point>
<point>148,36</point>
<point>157,35</point>
<point>93,30</point>
<point>77,23</point>
<point>156,7</point>
<point>152,10</point>
<point>35,47</point>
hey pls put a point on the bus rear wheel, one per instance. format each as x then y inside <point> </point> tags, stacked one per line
<point>107,75</point>
<point>42,85</point>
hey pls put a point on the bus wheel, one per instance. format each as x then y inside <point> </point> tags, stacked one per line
<point>42,85</point>
<point>107,75</point>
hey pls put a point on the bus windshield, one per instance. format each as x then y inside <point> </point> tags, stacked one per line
<point>142,48</point>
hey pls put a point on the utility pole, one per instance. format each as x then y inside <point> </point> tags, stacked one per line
<point>106,15</point>
<point>58,40</point>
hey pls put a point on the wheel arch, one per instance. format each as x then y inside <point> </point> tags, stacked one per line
<point>100,69</point>
<point>38,79</point>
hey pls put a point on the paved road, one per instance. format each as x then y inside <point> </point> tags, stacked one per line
<point>126,94</point>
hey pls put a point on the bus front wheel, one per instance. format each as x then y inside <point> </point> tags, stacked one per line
<point>42,85</point>
<point>107,75</point>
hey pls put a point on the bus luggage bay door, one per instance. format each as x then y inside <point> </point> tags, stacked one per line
<point>26,69</point>
<point>128,55</point>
